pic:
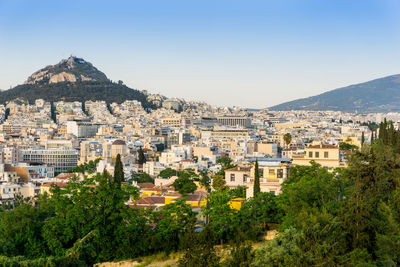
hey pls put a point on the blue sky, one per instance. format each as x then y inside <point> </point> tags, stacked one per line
<point>243,53</point>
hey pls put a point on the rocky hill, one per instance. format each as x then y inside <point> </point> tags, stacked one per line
<point>380,95</point>
<point>72,79</point>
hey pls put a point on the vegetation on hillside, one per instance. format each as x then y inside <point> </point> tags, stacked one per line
<point>78,91</point>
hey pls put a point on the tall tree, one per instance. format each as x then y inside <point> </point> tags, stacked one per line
<point>362,138</point>
<point>219,182</point>
<point>383,131</point>
<point>205,181</point>
<point>53,112</point>
<point>256,188</point>
<point>287,138</point>
<point>141,156</point>
<point>6,114</point>
<point>119,176</point>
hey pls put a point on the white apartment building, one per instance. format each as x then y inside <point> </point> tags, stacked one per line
<point>82,129</point>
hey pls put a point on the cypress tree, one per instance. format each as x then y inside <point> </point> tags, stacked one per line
<point>141,156</point>
<point>362,138</point>
<point>118,171</point>
<point>372,136</point>
<point>383,132</point>
<point>53,112</point>
<point>6,114</point>
<point>256,189</point>
<point>391,134</point>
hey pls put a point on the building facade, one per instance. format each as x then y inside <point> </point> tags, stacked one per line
<point>62,160</point>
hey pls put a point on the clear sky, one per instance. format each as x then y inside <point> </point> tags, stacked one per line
<point>244,53</point>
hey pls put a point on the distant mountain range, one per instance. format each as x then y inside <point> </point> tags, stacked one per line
<point>72,79</point>
<point>380,95</point>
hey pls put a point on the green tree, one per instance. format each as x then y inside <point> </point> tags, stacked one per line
<point>21,231</point>
<point>141,156</point>
<point>239,191</point>
<point>287,138</point>
<point>53,112</point>
<point>6,114</point>
<point>347,146</point>
<point>256,188</point>
<point>168,172</point>
<point>173,222</point>
<point>225,161</point>
<point>375,175</point>
<point>199,249</point>
<point>281,251</point>
<point>241,255</point>
<point>312,188</point>
<point>362,139</point>
<point>257,212</point>
<point>141,178</point>
<point>222,218</point>
<point>119,175</point>
<point>205,181</point>
<point>219,182</point>
<point>184,184</point>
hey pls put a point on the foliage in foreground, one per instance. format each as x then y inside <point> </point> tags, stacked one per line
<point>349,217</point>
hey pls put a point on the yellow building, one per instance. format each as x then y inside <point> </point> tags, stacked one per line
<point>325,155</point>
<point>273,171</point>
<point>197,199</point>
<point>236,203</point>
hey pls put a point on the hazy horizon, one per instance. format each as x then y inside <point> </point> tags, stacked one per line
<point>252,54</point>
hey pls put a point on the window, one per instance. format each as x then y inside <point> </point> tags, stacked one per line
<point>326,154</point>
<point>317,154</point>
<point>232,177</point>
<point>244,178</point>
<point>280,173</point>
<point>310,154</point>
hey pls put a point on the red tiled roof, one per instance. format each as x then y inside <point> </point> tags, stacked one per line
<point>64,176</point>
<point>150,200</point>
<point>197,196</point>
<point>145,185</point>
<point>56,183</point>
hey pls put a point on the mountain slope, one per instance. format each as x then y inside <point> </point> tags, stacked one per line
<point>380,95</point>
<point>72,79</point>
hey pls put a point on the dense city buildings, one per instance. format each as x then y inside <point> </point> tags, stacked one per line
<point>41,141</point>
